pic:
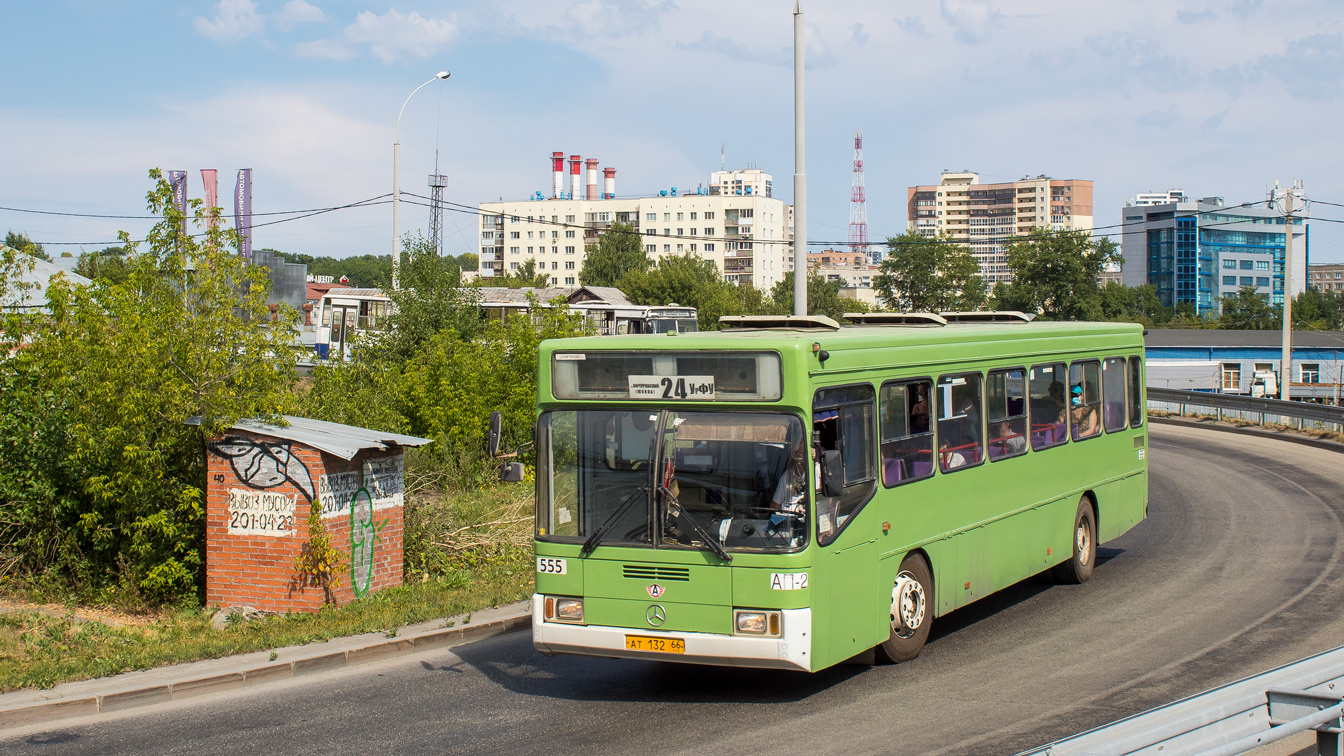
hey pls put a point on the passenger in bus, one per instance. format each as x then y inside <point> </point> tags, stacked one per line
<point>919,411</point>
<point>949,459</point>
<point>1008,442</point>
<point>1084,417</point>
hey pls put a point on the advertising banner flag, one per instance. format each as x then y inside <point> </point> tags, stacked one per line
<point>211,178</point>
<point>242,211</point>
<point>177,182</point>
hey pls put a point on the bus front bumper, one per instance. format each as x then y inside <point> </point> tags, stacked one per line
<point>792,651</point>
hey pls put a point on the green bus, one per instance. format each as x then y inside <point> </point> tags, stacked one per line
<point>790,493</point>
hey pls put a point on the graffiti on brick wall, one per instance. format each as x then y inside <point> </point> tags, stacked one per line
<point>261,513</point>
<point>262,465</point>
<point>358,494</point>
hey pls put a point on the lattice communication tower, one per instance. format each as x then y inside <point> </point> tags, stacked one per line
<point>437,181</point>
<point>858,208</point>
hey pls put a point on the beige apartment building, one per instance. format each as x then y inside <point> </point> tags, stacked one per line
<point>1326,277</point>
<point>983,217</point>
<point>746,236</point>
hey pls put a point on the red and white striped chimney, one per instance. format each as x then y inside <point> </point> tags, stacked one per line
<point>576,168</point>
<point>608,183</point>
<point>592,178</point>
<point>557,174</point>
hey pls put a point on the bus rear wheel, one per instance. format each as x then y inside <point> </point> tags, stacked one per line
<point>911,611</point>
<point>1079,567</point>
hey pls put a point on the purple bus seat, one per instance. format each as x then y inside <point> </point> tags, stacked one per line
<point>921,469</point>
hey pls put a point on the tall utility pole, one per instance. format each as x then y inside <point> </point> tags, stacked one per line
<point>1286,360</point>
<point>858,208</point>
<point>799,171</point>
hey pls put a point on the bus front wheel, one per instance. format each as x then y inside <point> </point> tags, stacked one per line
<point>1078,568</point>
<point>911,611</point>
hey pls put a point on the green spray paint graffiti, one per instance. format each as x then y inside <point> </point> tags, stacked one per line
<point>363,535</point>
<point>359,494</point>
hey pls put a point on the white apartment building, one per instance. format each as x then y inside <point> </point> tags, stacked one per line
<point>741,182</point>
<point>982,217</point>
<point>1157,198</point>
<point>747,237</point>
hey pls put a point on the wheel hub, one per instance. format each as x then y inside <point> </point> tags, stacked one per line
<point>1084,544</point>
<point>907,605</point>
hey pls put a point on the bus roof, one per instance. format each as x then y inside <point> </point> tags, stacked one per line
<point>856,337</point>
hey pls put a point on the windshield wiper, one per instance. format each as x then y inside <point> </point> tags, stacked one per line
<point>596,537</point>
<point>709,540</point>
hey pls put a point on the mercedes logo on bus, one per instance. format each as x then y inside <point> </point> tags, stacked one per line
<point>656,615</point>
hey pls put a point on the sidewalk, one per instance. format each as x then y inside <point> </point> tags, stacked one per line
<point>172,683</point>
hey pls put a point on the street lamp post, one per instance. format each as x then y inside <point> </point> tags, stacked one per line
<point>396,176</point>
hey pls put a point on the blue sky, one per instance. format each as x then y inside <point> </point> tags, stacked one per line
<point>1211,97</point>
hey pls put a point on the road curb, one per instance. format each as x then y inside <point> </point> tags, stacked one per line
<point>1221,427</point>
<point>119,695</point>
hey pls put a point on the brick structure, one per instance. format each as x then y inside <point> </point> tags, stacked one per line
<point>261,480</point>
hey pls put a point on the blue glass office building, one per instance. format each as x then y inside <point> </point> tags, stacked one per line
<point>1199,252</point>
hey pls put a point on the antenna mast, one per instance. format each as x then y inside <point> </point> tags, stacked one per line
<point>858,208</point>
<point>437,181</point>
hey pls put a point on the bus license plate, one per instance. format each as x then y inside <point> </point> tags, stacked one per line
<point>661,645</point>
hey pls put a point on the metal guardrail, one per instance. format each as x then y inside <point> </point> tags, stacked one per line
<point>1248,407</point>
<point>1235,718</point>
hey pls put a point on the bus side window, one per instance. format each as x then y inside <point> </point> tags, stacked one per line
<point>1085,399</point>
<point>1048,409</point>
<point>1136,408</point>
<point>906,432</point>
<point>960,433</point>
<point>842,420</point>
<point>1007,413</point>
<point>1113,394</point>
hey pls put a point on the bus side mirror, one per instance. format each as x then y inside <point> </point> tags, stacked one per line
<point>511,472</point>
<point>832,473</point>
<point>492,437</point>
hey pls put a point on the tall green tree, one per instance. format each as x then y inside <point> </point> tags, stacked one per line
<point>920,274</point>
<point>121,367</point>
<point>1055,274</point>
<point>109,263</point>
<point>1249,311</point>
<point>688,280</point>
<point>823,297</point>
<point>618,251</point>
<point>430,299</point>
<point>1133,304</point>
<point>22,243</point>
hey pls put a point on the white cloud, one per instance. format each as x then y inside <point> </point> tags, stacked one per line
<point>973,20</point>
<point>326,49</point>
<point>394,35</point>
<point>296,13</point>
<point>234,20</point>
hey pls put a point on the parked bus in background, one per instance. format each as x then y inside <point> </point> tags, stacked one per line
<point>789,493</point>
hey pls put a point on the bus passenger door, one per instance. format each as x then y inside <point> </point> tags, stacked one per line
<point>853,618</point>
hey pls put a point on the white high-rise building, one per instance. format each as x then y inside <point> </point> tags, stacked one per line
<point>746,236</point>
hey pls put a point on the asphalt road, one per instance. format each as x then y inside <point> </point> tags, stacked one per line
<point>1236,570</point>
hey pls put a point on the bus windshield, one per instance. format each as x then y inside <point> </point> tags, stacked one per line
<point>670,325</point>
<point>699,480</point>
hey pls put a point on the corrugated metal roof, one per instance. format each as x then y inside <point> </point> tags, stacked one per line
<point>36,281</point>
<point>344,441</point>
<point>1196,337</point>
<point>504,295</point>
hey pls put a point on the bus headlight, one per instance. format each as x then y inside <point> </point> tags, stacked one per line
<point>756,622</point>
<point>564,609</point>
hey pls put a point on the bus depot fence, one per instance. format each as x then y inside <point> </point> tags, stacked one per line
<point>1252,409</point>
<point>1233,719</point>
